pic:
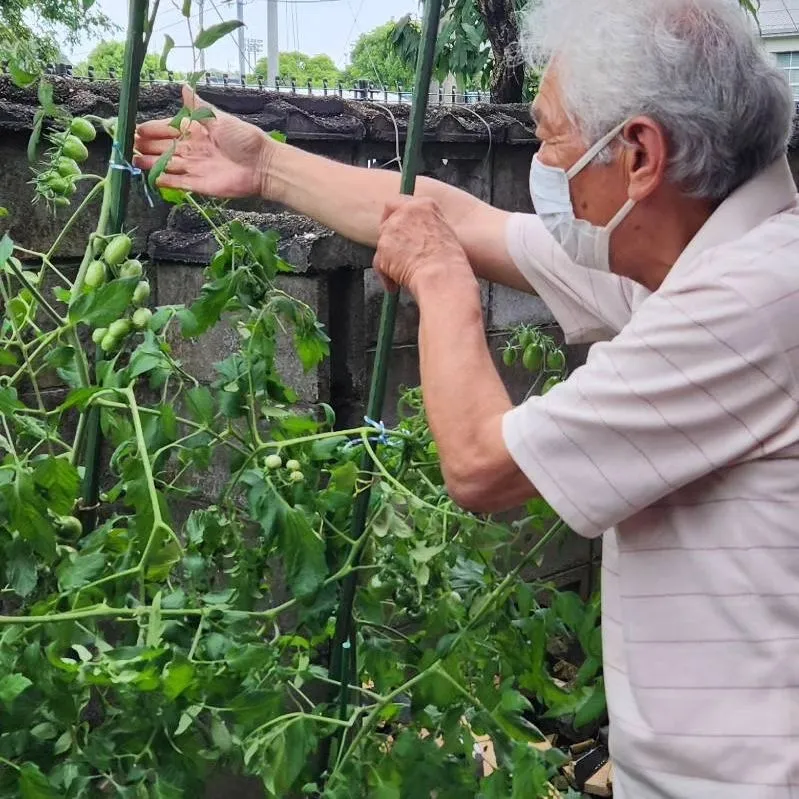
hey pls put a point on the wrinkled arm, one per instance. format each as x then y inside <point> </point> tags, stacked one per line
<point>351,201</point>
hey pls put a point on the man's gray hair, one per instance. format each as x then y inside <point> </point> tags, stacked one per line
<point>694,66</point>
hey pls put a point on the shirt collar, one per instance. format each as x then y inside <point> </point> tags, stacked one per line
<point>768,193</point>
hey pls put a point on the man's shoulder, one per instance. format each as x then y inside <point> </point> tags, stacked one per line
<point>762,265</point>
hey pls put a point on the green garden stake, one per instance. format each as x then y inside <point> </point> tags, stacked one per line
<point>343,657</point>
<point>114,210</point>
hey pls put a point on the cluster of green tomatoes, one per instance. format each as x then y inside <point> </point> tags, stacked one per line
<point>111,259</point>
<point>538,353</point>
<point>293,467</point>
<point>57,182</point>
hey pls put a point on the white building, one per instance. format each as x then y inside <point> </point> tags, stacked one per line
<point>779,27</point>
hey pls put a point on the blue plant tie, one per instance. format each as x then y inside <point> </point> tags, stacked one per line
<point>380,427</point>
<point>124,165</point>
<point>381,438</point>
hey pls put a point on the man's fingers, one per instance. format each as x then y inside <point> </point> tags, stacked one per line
<point>193,100</point>
<point>388,284</point>
<point>394,204</point>
<point>145,162</point>
<point>148,146</point>
<point>156,129</point>
<point>170,181</point>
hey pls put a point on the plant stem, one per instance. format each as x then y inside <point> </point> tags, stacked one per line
<point>95,190</point>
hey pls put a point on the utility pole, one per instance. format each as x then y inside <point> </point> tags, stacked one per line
<point>272,44</point>
<point>202,25</point>
<point>242,41</point>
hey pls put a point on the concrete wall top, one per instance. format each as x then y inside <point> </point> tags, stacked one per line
<point>300,117</point>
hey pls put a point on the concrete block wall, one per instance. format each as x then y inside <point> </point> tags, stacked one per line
<point>485,150</point>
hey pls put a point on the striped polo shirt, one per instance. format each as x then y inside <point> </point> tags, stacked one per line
<point>679,440</point>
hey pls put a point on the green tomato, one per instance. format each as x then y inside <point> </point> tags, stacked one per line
<point>296,477</point>
<point>59,185</point>
<point>83,129</point>
<point>509,356</point>
<point>141,318</point>
<point>273,461</point>
<point>455,597</point>
<point>68,168</point>
<point>69,526</point>
<point>142,293</point>
<point>109,343</point>
<point>61,202</point>
<point>526,338</point>
<point>293,466</point>
<point>75,149</point>
<point>550,384</point>
<point>131,268</point>
<point>556,361</point>
<point>99,334</point>
<point>533,357</point>
<point>119,329</point>
<point>95,274</point>
<point>117,250</point>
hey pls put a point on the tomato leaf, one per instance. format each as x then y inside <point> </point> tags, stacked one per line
<point>20,567</point>
<point>208,36</point>
<point>159,167</point>
<point>20,76</point>
<point>186,8</point>
<point>102,306</point>
<point>169,45</point>
<point>593,706</point>
<point>303,552</point>
<point>33,784</point>
<point>177,678</point>
<point>201,114</point>
<point>201,404</point>
<point>11,686</point>
<point>9,402</point>
<point>57,481</point>
<point>79,570</point>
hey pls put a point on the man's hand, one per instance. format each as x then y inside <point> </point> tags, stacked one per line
<point>219,157</point>
<point>415,241</point>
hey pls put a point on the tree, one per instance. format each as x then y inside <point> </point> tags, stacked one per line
<point>110,55</point>
<point>478,43</point>
<point>31,31</point>
<point>375,58</point>
<point>302,68</point>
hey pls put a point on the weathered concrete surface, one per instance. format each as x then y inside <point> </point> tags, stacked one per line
<point>509,308</point>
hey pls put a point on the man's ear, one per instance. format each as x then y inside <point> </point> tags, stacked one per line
<point>645,157</point>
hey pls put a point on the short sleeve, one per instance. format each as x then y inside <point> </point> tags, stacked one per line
<point>589,305</point>
<point>695,382</point>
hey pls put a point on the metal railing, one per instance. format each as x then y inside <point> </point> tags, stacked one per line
<point>360,90</point>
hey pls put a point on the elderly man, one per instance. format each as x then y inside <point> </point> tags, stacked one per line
<point>667,228</point>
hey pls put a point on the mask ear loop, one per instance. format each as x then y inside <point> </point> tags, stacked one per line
<point>597,148</point>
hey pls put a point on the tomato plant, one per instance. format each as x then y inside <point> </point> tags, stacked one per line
<point>151,637</point>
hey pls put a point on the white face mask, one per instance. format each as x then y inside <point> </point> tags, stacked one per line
<point>586,244</point>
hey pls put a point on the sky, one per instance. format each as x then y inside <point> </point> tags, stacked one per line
<point>311,26</point>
